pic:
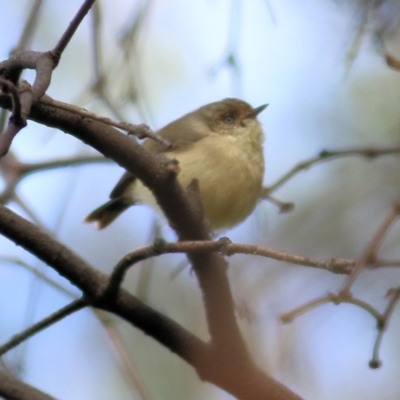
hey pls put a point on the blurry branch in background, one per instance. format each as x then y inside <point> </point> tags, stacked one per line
<point>16,261</point>
<point>120,353</point>
<point>107,324</point>
<point>369,255</point>
<point>369,258</point>
<point>29,27</point>
<point>230,59</point>
<point>15,171</point>
<point>102,87</point>
<point>378,19</point>
<point>76,305</point>
<point>329,298</point>
<point>98,88</point>
<point>382,324</point>
<point>133,89</point>
<point>363,19</point>
<point>326,155</point>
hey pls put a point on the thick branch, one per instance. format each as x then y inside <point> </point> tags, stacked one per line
<point>242,379</point>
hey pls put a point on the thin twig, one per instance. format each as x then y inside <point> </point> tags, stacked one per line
<point>122,355</point>
<point>38,274</point>
<point>325,155</point>
<point>60,163</point>
<point>225,247</point>
<point>384,264</point>
<point>72,27</point>
<point>44,323</point>
<point>382,326</point>
<point>330,298</point>
<point>141,131</point>
<point>29,27</point>
<point>369,254</point>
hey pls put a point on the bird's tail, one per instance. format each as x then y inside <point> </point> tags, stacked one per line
<point>108,212</point>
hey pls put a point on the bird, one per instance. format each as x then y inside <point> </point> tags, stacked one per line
<point>221,145</point>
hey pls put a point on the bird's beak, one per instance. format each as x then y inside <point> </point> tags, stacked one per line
<point>255,111</point>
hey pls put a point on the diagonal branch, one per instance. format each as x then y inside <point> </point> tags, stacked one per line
<point>326,155</point>
<point>70,31</point>
<point>76,305</point>
<point>12,388</point>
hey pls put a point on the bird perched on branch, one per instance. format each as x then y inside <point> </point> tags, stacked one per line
<point>220,145</point>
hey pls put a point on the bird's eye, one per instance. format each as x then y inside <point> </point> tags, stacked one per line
<point>229,119</point>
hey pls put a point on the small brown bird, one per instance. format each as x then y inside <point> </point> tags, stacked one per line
<point>220,144</point>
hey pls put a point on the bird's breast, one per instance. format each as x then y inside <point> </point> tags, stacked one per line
<point>230,172</point>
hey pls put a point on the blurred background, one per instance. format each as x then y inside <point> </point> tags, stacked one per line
<point>320,65</point>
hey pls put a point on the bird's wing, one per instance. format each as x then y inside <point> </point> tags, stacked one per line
<point>179,134</point>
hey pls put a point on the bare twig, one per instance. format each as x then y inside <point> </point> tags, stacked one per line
<point>76,305</point>
<point>384,263</point>
<point>141,131</point>
<point>325,155</point>
<point>15,171</point>
<point>284,207</point>
<point>73,26</point>
<point>356,43</point>
<point>225,247</point>
<point>383,324</point>
<point>123,359</point>
<point>38,274</point>
<point>330,298</point>
<point>369,254</point>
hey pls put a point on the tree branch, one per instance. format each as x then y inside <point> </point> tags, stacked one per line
<point>12,388</point>
<point>76,305</point>
<point>243,379</point>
